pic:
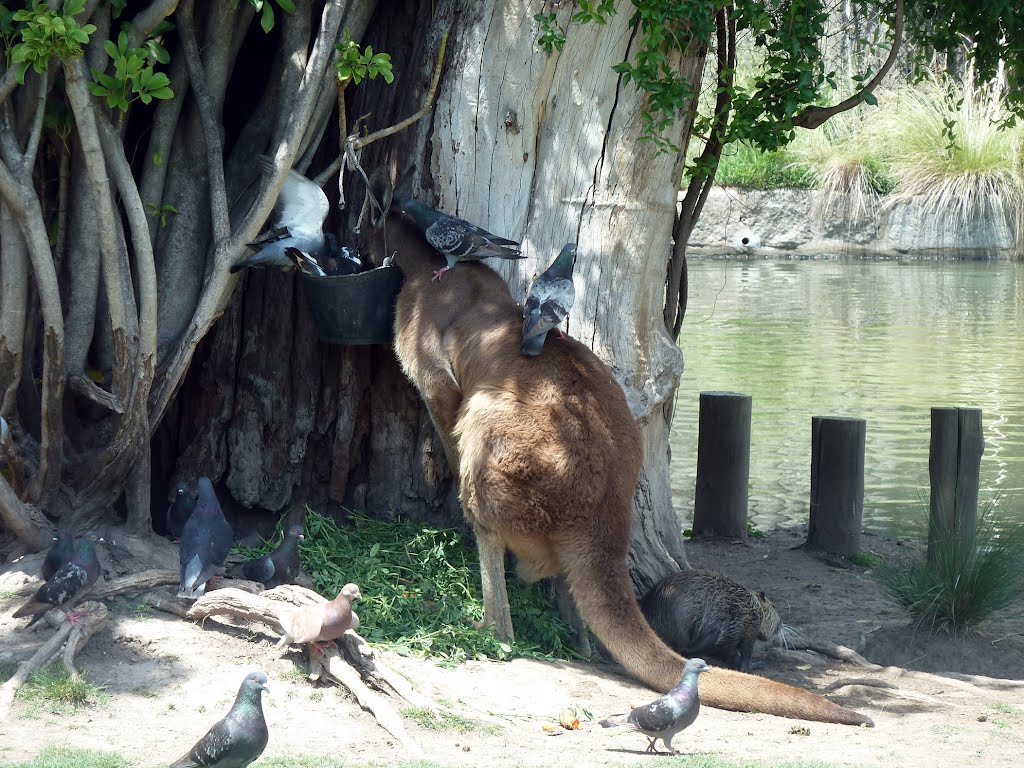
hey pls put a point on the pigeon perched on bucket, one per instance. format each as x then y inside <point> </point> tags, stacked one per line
<point>205,542</point>
<point>320,622</point>
<point>237,739</point>
<point>666,716</point>
<point>68,585</point>
<point>549,301</point>
<point>279,567</point>
<point>299,215</point>
<point>456,239</point>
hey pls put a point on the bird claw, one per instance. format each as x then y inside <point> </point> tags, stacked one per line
<point>437,275</point>
<point>562,334</point>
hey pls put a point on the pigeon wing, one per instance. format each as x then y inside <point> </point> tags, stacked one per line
<point>303,624</point>
<point>658,716</point>
<point>302,206</point>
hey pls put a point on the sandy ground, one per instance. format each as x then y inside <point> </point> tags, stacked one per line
<point>168,680</point>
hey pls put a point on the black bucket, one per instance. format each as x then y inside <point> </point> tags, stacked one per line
<point>355,309</point>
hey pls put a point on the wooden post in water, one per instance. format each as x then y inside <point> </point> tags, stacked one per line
<point>723,465</point>
<point>954,469</point>
<point>837,484</point>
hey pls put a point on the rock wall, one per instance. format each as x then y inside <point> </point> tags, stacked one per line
<point>809,224</point>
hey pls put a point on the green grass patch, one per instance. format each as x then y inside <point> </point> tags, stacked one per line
<point>6,594</point>
<point>864,559</point>
<point>446,721</point>
<point>966,582</point>
<point>421,589</point>
<point>64,757</point>
<point>53,689</point>
<point>747,167</point>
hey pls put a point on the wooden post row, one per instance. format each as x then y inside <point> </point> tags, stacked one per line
<point>723,465</point>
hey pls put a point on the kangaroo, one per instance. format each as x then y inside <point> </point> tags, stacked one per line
<point>547,456</point>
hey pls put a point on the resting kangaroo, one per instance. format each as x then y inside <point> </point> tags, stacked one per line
<point>547,455</point>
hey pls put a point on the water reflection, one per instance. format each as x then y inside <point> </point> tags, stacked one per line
<point>880,340</point>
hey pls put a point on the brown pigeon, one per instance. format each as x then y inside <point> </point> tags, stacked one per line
<point>322,622</point>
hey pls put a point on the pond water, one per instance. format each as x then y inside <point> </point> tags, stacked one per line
<point>880,340</point>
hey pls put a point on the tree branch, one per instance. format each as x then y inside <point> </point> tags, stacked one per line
<point>23,520</point>
<point>814,116</point>
<point>208,120</point>
<point>148,19</point>
<point>32,145</point>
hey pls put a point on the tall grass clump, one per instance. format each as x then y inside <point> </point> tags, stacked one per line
<point>945,148</point>
<point>747,167</point>
<point>843,162</point>
<point>421,589</point>
<point>968,580</point>
<point>53,688</point>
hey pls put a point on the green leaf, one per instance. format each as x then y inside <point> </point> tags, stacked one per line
<point>870,98</point>
<point>158,158</point>
<point>287,6</point>
<point>267,18</point>
<point>162,93</point>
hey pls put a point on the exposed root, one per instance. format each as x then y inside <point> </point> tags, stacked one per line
<point>92,615</point>
<point>134,583</point>
<point>833,651</point>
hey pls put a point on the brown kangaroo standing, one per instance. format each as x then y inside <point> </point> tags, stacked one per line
<point>547,454</point>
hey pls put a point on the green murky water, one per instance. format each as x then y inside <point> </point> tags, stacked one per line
<point>880,340</point>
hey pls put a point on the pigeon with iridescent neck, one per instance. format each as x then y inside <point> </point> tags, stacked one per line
<point>68,585</point>
<point>455,239</point>
<point>205,542</point>
<point>59,553</point>
<point>549,301</point>
<point>666,716</point>
<point>279,567</point>
<point>240,737</point>
<point>179,511</point>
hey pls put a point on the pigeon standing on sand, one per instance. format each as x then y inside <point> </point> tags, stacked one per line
<point>68,585</point>
<point>180,510</point>
<point>279,567</point>
<point>455,239</point>
<point>550,299</point>
<point>205,542</point>
<point>321,622</point>
<point>664,717</point>
<point>59,553</point>
<point>240,737</point>
<point>299,212</point>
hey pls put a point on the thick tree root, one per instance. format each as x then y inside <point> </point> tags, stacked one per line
<point>71,637</point>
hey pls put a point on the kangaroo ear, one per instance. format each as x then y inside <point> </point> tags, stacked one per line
<point>380,193</point>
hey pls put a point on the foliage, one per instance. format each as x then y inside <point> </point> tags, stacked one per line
<point>53,688</point>
<point>66,757</point>
<point>865,559</point>
<point>944,146</point>
<point>970,580</point>
<point>354,65</point>
<point>747,167</point>
<point>266,11</point>
<point>161,212</point>
<point>134,77</point>
<point>421,589</point>
<point>47,34</point>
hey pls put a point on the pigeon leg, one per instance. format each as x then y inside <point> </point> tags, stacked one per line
<point>437,275</point>
<point>650,746</point>
<point>74,618</point>
<point>562,334</point>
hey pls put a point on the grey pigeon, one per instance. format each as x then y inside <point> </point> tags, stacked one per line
<point>342,261</point>
<point>279,567</point>
<point>239,737</point>
<point>59,553</point>
<point>68,584</point>
<point>455,239</point>
<point>205,542</point>
<point>549,301</point>
<point>179,511</point>
<point>299,215</point>
<point>666,716</point>
<point>320,622</point>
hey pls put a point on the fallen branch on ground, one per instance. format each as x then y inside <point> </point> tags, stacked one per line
<point>92,614</point>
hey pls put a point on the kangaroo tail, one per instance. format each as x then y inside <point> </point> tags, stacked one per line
<point>604,596</point>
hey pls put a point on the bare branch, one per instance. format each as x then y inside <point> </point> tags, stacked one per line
<point>13,304</point>
<point>23,520</point>
<point>427,103</point>
<point>148,19</point>
<point>208,119</point>
<point>85,387</point>
<point>813,116</point>
<point>32,145</point>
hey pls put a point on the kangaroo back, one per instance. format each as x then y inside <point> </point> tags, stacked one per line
<point>548,456</point>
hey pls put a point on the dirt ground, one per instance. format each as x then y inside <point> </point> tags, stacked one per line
<point>167,680</point>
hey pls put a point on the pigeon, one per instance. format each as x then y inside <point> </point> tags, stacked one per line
<point>68,584</point>
<point>205,542</point>
<point>60,552</point>
<point>549,301</point>
<point>298,216</point>
<point>321,622</point>
<point>305,262</point>
<point>279,567</point>
<point>239,737</point>
<point>666,716</point>
<point>179,511</point>
<point>455,239</point>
